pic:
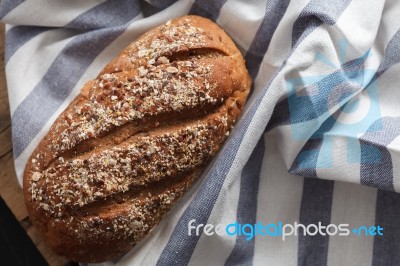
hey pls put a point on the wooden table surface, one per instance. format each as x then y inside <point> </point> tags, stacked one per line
<point>10,190</point>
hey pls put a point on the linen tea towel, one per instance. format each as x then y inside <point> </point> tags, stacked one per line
<point>317,142</point>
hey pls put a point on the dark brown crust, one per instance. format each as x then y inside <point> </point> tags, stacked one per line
<point>135,139</point>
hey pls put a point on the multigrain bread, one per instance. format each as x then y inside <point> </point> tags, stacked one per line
<point>135,139</point>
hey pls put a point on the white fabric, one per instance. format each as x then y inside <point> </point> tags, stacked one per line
<point>309,155</point>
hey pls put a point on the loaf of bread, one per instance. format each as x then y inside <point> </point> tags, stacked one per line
<point>135,139</point>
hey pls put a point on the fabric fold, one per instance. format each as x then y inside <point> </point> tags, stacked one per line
<point>318,140</point>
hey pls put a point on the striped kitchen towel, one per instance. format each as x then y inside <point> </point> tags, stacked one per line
<point>309,175</point>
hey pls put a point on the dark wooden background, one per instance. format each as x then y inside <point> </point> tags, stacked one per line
<point>10,190</point>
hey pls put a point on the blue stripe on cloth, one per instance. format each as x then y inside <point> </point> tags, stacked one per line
<point>305,163</point>
<point>201,206</point>
<point>379,175</point>
<point>48,95</point>
<point>7,5</point>
<point>392,53</point>
<point>207,9</point>
<point>314,100</point>
<point>105,15</point>
<point>17,36</point>
<point>376,167</point>
<point>316,205</point>
<point>148,9</point>
<point>378,172</point>
<point>243,251</point>
<point>180,246</point>
<point>280,116</point>
<point>162,4</point>
<point>386,248</point>
<point>314,14</point>
<point>275,9</point>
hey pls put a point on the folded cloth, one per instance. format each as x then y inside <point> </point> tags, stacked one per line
<point>317,143</point>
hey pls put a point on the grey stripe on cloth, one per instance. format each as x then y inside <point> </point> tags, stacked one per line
<point>316,205</point>
<point>381,133</point>
<point>305,163</point>
<point>369,173</point>
<point>105,15</point>
<point>386,248</point>
<point>373,174</point>
<point>162,4</point>
<point>7,5</point>
<point>312,107</point>
<point>207,9</point>
<point>17,36</point>
<point>61,77</point>
<point>392,53</point>
<point>294,109</point>
<point>280,116</point>
<point>314,14</point>
<point>148,9</point>
<point>200,208</point>
<point>180,246</point>
<point>243,251</point>
<point>376,167</point>
<point>275,9</point>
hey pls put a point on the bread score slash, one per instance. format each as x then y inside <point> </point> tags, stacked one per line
<point>135,139</point>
